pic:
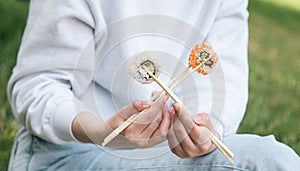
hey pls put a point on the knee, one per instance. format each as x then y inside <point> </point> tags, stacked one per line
<point>263,153</point>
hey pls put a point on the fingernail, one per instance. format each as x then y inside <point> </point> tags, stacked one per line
<point>199,119</point>
<point>166,97</point>
<point>172,111</point>
<point>153,93</point>
<point>166,108</point>
<point>176,107</point>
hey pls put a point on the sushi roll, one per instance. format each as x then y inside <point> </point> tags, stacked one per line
<point>138,65</point>
<point>203,54</point>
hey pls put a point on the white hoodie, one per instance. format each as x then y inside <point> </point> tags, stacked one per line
<point>75,55</point>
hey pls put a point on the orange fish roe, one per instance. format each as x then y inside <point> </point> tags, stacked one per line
<point>200,54</point>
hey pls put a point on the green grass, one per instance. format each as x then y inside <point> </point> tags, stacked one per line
<point>274,100</point>
<point>13,17</point>
<point>292,4</point>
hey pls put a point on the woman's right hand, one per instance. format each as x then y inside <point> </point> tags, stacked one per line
<point>149,129</point>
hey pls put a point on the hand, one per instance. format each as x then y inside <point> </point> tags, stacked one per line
<point>149,129</point>
<point>186,138</point>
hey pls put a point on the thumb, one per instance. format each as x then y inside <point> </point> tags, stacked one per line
<point>202,119</point>
<point>134,107</point>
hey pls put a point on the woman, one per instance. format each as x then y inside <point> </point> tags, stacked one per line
<point>70,88</point>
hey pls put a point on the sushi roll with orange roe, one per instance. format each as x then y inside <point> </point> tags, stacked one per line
<point>200,54</point>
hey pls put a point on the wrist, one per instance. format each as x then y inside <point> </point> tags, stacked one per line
<point>89,128</point>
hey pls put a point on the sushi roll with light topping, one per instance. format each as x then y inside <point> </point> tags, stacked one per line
<point>142,61</point>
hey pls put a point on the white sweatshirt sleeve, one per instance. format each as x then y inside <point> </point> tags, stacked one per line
<point>229,38</point>
<point>41,88</point>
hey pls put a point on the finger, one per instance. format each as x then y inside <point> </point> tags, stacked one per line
<point>204,142</point>
<point>188,145</point>
<point>194,143</point>
<point>173,142</point>
<point>124,113</point>
<point>149,129</point>
<point>185,116</point>
<point>164,125</point>
<point>166,122</point>
<point>153,112</point>
<point>134,130</point>
<point>139,105</point>
<point>202,119</point>
<point>197,134</point>
<point>160,102</point>
<point>149,120</point>
<point>161,133</point>
<point>153,93</point>
<point>173,115</point>
<point>178,151</point>
<point>189,122</point>
<point>141,138</point>
<point>135,107</point>
<point>174,145</point>
<point>157,139</point>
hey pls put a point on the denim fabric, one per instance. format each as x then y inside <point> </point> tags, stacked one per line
<point>252,152</point>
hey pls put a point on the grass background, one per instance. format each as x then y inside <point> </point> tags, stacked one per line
<point>274,59</point>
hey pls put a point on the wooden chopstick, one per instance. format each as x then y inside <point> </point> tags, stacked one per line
<point>222,147</point>
<point>123,126</point>
<point>173,81</point>
<point>133,117</point>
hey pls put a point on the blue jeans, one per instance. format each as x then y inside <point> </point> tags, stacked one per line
<point>252,152</point>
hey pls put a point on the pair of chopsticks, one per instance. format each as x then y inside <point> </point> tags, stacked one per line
<point>222,147</point>
<point>159,94</point>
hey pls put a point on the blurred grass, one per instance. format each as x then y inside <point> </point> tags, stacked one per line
<point>13,15</point>
<point>292,4</point>
<point>274,99</point>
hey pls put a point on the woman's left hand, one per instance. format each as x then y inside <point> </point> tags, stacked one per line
<point>186,138</point>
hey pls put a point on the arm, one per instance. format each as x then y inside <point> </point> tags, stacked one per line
<point>55,65</point>
<point>41,88</point>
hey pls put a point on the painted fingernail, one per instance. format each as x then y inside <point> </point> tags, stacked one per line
<point>197,118</point>
<point>176,107</point>
<point>166,97</point>
<point>166,108</point>
<point>172,111</point>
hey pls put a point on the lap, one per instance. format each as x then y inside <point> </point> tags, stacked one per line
<point>251,153</point>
